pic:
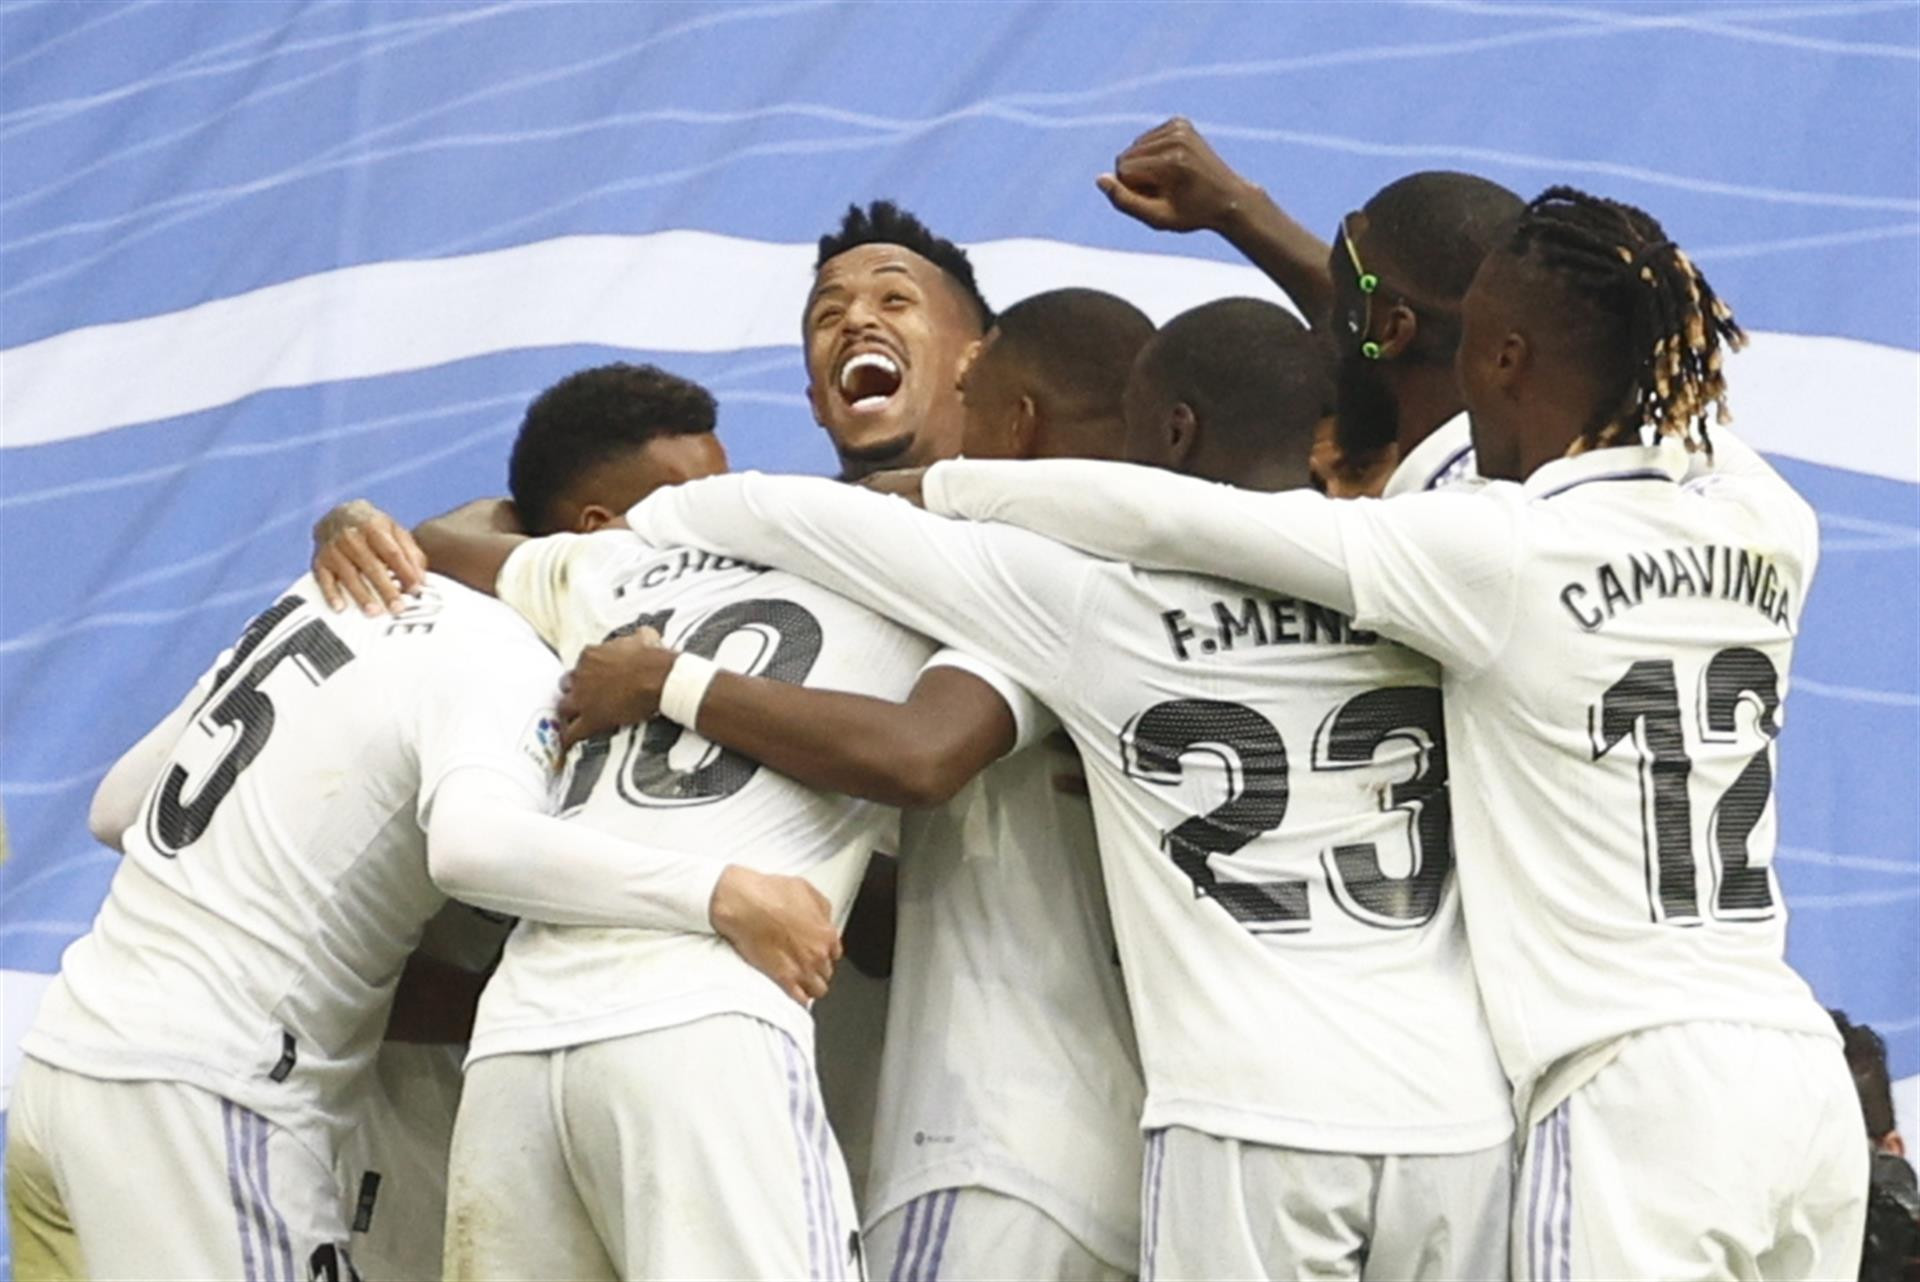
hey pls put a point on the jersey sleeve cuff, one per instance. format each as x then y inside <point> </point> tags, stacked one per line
<point>1031,721</point>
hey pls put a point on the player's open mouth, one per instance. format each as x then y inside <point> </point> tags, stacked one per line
<point>868,380</point>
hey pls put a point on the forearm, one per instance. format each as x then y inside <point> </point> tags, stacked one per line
<point>1288,543</point>
<point>499,855</point>
<point>472,542</point>
<point>1291,256</point>
<point>848,743</point>
<point>876,551</point>
<point>116,802</point>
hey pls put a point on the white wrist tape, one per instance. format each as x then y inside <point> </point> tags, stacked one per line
<point>685,686</point>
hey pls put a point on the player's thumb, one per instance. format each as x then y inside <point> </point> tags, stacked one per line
<point>1124,198</point>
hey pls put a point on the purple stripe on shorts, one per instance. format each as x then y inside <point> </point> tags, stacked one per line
<point>1565,1115</point>
<point>228,1122</point>
<point>836,1256</point>
<point>932,1273</point>
<point>262,1129</point>
<point>806,1170</point>
<point>906,1237</point>
<point>929,1224</point>
<point>1158,1151</point>
<point>255,1203</point>
<point>1536,1156</point>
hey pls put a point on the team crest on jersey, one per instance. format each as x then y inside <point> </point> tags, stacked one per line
<point>542,743</point>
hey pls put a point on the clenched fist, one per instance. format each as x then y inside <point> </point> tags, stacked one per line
<point>1172,179</point>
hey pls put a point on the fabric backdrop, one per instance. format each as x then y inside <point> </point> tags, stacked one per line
<point>259,258</point>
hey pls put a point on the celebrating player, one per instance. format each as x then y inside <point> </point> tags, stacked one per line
<point>639,1104</point>
<point>1615,647</point>
<point>1005,954</point>
<point>1269,784</point>
<point>289,830</point>
<point>892,312</point>
<point>1387,292</point>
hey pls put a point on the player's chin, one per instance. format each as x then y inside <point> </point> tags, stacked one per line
<point>877,438</point>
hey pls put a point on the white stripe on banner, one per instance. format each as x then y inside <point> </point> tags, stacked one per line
<point>1839,402</point>
<point>20,994</point>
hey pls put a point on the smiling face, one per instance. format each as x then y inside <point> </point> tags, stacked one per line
<point>886,332</point>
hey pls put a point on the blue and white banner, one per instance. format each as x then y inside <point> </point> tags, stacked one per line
<point>258,258</point>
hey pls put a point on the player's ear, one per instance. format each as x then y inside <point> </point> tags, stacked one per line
<point>1024,428</point>
<point>1183,435</point>
<point>1402,326</point>
<point>594,517</point>
<point>1511,361</point>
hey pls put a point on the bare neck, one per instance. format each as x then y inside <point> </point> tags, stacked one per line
<point>1429,398</point>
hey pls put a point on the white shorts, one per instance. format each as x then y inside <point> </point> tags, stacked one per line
<point>393,1167</point>
<point>164,1180</point>
<point>697,1151</point>
<point>1700,1151</point>
<point>975,1233</point>
<point>1221,1208</point>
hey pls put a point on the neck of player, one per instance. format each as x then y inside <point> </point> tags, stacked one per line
<point>1428,397</point>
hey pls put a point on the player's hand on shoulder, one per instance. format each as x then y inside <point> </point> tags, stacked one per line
<point>1172,179</point>
<point>614,684</point>
<point>782,925</point>
<point>360,552</point>
<point>901,482</point>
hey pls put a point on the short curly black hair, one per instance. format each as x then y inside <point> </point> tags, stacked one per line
<point>589,417</point>
<point>884,223</point>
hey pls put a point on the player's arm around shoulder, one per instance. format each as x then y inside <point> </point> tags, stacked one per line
<point>918,751</point>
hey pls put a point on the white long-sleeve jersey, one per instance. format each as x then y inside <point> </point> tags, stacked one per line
<point>1269,789</point>
<point>566,985</point>
<point>1615,642</point>
<point>276,875</point>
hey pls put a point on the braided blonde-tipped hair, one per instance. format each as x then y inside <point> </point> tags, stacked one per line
<point>1677,329</point>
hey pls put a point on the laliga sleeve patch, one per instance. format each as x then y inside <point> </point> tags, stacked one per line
<point>541,742</point>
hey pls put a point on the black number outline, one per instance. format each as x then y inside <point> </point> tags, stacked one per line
<point>172,823</point>
<point>1347,739</point>
<point>1645,706</point>
<point>1735,676</point>
<point>1649,700</point>
<point>1254,761</point>
<point>790,643</point>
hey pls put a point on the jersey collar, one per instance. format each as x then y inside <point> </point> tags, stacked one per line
<point>1435,462</point>
<point>1666,461</point>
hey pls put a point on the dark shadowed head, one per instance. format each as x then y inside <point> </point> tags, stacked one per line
<point>1230,391</point>
<point>892,312</point>
<point>1048,378</point>
<point>1586,328</point>
<point>600,440</point>
<point>1417,244</point>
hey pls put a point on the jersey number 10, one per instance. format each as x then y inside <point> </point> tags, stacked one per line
<point>646,777</point>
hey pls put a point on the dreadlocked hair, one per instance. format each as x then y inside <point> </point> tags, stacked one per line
<point>884,223</point>
<point>1649,310</point>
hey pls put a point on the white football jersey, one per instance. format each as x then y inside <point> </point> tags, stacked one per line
<point>276,879</point>
<point>1005,949</point>
<point>1615,645</point>
<point>1268,783</point>
<point>560,986</point>
<point>1443,461</point>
